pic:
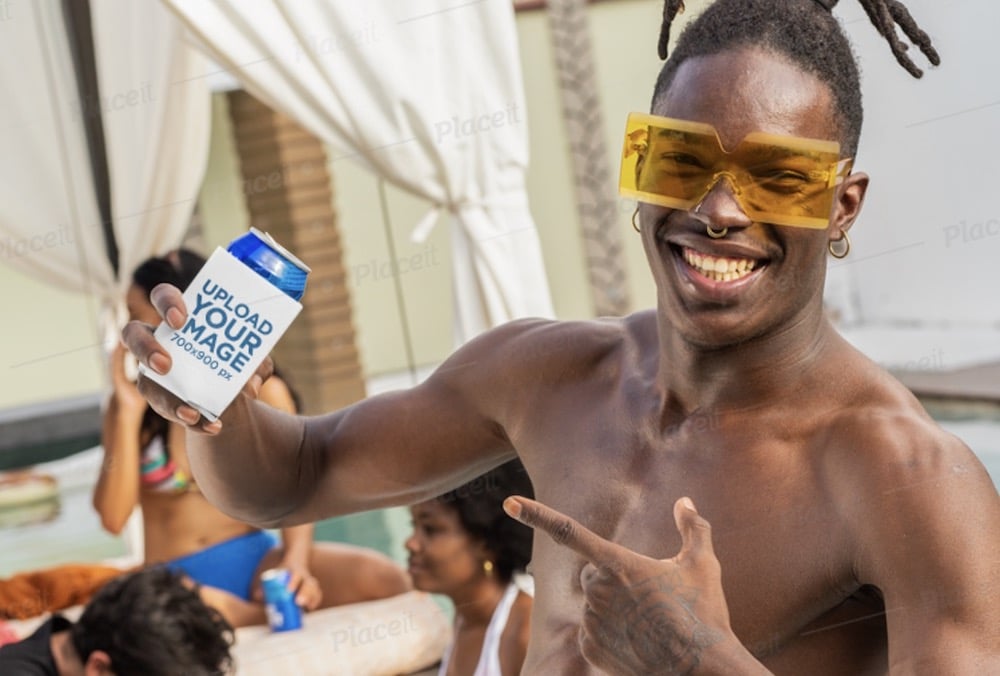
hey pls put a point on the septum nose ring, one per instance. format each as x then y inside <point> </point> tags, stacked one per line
<point>709,230</point>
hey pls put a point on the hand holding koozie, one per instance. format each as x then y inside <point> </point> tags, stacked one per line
<point>239,305</point>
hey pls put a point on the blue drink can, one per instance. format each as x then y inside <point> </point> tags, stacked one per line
<point>283,614</point>
<point>258,251</point>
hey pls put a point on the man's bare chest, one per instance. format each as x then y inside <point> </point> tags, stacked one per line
<point>784,554</point>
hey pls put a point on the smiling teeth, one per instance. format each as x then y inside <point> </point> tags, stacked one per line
<point>719,269</point>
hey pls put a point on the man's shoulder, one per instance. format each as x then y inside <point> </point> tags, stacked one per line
<point>534,342</point>
<point>575,332</point>
<point>919,510</point>
<point>878,431</point>
<point>886,441</point>
<point>892,470</point>
<point>32,656</point>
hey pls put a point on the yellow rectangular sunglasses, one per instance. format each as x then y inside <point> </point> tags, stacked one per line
<point>783,180</point>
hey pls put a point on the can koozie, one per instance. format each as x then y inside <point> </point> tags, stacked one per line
<point>238,307</point>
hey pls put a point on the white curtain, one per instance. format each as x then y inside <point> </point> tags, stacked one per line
<point>427,94</point>
<point>157,124</point>
<point>156,118</point>
<point>49,223</point>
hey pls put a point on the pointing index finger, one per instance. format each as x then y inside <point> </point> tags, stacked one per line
<point>565,531</point>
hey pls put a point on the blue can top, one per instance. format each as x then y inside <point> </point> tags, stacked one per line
<point>283,614</point>
<point>275,582</point>
<point>258,251</point>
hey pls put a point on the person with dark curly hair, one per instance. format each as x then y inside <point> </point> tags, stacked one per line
<point>147,623</point>
<point>465,547</point>
<point>146,465</point>
<point>850,533</point>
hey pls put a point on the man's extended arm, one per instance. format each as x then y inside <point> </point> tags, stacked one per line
<point>273,469</point>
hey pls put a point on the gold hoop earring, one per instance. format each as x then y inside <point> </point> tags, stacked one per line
<point>488,567</point>
<point>840,252</point>
<point>716,234</point>
<point>634,226</point>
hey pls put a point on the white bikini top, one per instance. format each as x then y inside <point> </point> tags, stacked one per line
<point>489,658</point>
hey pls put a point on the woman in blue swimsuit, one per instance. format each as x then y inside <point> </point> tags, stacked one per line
<point>145,465</point>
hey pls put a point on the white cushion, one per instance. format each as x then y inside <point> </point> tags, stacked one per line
<point>399,635</point>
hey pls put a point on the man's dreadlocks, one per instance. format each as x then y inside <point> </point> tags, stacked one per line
<point>806,32</point>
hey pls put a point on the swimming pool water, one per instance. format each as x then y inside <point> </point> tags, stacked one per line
<point>74,535</point>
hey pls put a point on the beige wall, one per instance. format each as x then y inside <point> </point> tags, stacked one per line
<point>49,339</point>
<point>47,351</point>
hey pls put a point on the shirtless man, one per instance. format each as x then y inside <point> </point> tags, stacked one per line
<point>849,533</point>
